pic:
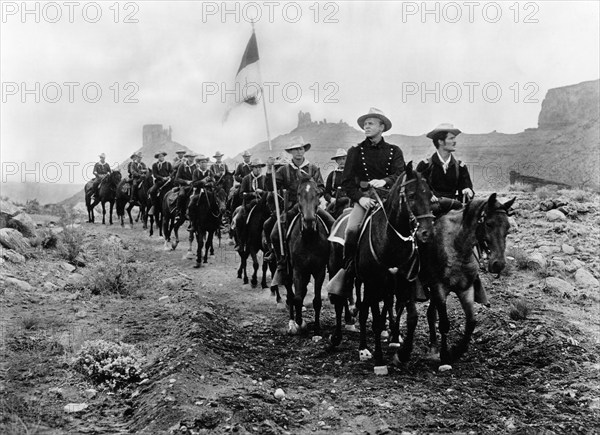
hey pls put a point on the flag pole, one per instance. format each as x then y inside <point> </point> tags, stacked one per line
<point>275,193</point>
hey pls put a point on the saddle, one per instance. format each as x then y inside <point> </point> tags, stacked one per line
<point>171,199</point>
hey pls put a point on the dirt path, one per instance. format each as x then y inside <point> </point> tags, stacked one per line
<point>218,350</point>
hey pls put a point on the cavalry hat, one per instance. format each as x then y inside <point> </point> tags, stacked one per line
<point>180,152</point>
<point>375,113</point>
<point>159,154</point>
<point>218,154</point>
<point>297,142</point>
<point>246,154</point>
<point>202,158</point>
<point>134,155</point>
<point>102,156</point>
<point>257,162</point>
<point>189,154</point>
<point>444,127</point>
<point>341,152</point>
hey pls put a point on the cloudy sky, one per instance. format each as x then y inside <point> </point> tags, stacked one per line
<point>483,66</point>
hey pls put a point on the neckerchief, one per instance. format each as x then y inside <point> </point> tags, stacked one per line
<point>446,163</point>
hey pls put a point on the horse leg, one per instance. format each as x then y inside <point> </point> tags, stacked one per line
<point>189,254</point>
<point>317,301</point>
<point>395,339</point>
<point>110,221</point>
<point>412,318</point>
<point>244,262</point>
<point>263,281</point>
<point>363,314</point>
<point>200,242</point>
<point>206,246</point>
<point>377,327</point>
<point>151,230</point>
<point>129,207</point>
<point>431,320</point>
<point>467,298</point>
<point>254,279</point>
<point>440,301</point>
<point>336,337</point>
<point>103,214</point>
<point>292,324</point>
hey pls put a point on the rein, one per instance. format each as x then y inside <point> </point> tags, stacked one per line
<point>483,243</point>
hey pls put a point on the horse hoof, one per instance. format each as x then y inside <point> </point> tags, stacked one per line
<point>394,345</point>
<point>396,361</point>
<point>336,339</point>
<point>245,280</point>
<point>197,266</point>
<point>166,247</point>
<point>351,328</point>
<point>380,370</point>
<point>292,327</point>
<point>189,256</point>
<point>364,355</point>
<point>174,244</point>
<point>444,368</point>
<point>385,335</point>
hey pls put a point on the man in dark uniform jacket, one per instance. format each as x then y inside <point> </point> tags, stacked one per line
<point>218,167</point>
<point>136,170</point>
<point>162,172</point>
<point>202,178</point>
<point>183,179</point>
<point>101,170</point>
<point>334,179</point>
<point>446,176</point>
<point>377,163</point>
<point>178,160</point>
<point>243,168</point>
<point>288,177</point>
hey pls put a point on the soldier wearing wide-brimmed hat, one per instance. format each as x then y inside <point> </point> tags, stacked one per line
<point>372,163</point>
<point>178,160</point>
<point>162,171</point>
<point>243,168</point>
<point>334,179</point>
<point>101,170</point>
<point>218,167</point>
<point>288,177</point>
<point>136,170</point>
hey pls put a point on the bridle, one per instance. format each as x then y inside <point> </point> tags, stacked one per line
<point>483,243</point>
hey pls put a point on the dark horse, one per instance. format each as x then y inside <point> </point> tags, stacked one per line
<point>308,252</point>
<point>388,243</point>
<point>248,232</point>
<point>107,193</point>
<point>454,268</point>
<point>140,199</point>
<point>171,218</point>
<point>155,204</point>
<point>224,182</point>
<point>205,212</point>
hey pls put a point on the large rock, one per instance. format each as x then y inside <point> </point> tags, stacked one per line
<point>24,224</point>
<point>555,215</point>
<point>13,239</point>
<point>536,261</point>
<point>559,286</point>
<point>585,278</point>
<point>8,209</point>
<point>21,285</point>
<point>12,256</point>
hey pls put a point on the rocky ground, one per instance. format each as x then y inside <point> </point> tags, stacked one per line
<point>216,352</point>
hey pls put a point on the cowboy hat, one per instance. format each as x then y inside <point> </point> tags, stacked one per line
<point>375,113</point>
<point>297,142</point>
<point>180,152</point>
<point>341,152</point>
<point>257,162</point>
<point>189,154</point>
<point>444,127</point>
<point>218,154</point>
<point>202,158</point>
<point>246,154</point>
<point>134,155</point>
<point>159,154</point>
<point>102,156</point>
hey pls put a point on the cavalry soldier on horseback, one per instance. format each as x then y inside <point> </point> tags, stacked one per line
<point>101,170</point>
<point>178,160</point>
<point>372,163</point>
<point>450,182</point>
<point>202,178</point>
<point>219,168</point>
<point>288,177</point>
<point>183,180</point>
<point>161,171</point>
<point>446,176</point>
<point>243,168</point>
<point>334,179</point>
<point>137,170</point>
<point>253,185</point>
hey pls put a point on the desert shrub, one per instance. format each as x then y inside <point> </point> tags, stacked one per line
<point>578,195</point>
<point>71,242</point>
<point>520,256</point>
<point>114,365</point>
<point>520,187</point>
<point>519,310</point>
<point>543,193</point>
<point>32,206</point>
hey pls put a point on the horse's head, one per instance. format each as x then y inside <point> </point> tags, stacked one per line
<point>308,202</point>
<point>415,193</point>
<point>226,181</point>
<point>492,229</point>
<point>220,196</point>
<point>114,178</point>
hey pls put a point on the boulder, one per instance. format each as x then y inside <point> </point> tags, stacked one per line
<point>13,239</point>
<point>67,266</point>
<point>559,286</point>
<point>536,261</point>
<point>567,249</point>
<point>75,278</point>
<point>24,224</point>
<point>12,256</point>
<point>555,215</point>
<point>585,279</point>
<point>20,284</point>
<point>8,209</point>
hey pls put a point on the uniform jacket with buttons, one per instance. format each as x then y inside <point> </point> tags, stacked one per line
<point>219,169</point>
<point>367,161</point>
<point>241,171</point>
<point>101,169</point>
<point>202,178</point>
<point>288,177</point>
<point>185,173</point>
<point>449,184</point>
<point>334,180</point>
